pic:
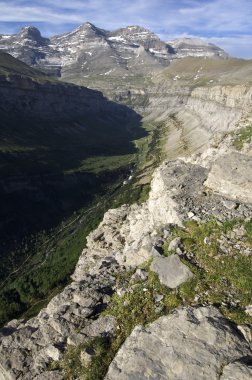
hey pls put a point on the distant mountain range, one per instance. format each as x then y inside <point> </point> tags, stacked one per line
<point>91,51</point>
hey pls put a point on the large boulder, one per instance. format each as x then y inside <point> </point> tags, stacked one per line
<point>191,343</point>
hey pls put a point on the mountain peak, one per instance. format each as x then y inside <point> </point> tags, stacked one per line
<point>187,46</point>
<point>89,29</point>
<point>87,25</point>
<point>132,30</point>
<point>136,28</point>
<point>31,32</point>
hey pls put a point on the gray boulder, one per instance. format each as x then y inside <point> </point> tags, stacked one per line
<point>171,271</point>
<point>189,344</point>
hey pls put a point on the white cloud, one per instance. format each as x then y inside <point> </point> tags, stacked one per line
<point>211,16</point>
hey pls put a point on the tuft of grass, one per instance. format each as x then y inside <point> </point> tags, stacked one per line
<point>248,228</point>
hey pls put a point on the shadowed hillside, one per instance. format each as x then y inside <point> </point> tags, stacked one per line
<point>60,147</point>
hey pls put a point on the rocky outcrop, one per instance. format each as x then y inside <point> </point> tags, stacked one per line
<point>187,345</point>
<point>231,175</point>
<point>201,122</point>
<point>69,319</point>
<point>127,237</point>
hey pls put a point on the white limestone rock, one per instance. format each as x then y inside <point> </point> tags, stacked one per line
<point>134,258</point>
<point>235,371</point>
<point>186,345</point>
<point>171,271</point>
<point>174,244</point>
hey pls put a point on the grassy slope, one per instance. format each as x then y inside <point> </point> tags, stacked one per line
<point>208,71</point>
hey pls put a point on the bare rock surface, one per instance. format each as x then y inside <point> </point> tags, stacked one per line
<point>187,345</point>
<point>195,47</point>
<point>171,271</point>
<point>237,370</point>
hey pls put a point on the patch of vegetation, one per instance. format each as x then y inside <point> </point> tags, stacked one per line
<point>222,279</point>
<point>243,136</point>
<point>74,367</point>
<point>103,163</point>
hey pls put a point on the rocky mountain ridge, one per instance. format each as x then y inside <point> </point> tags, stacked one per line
<point>89,51</point>
<point>195,47</point>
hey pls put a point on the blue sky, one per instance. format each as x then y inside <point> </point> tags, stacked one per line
<point>227,23</point>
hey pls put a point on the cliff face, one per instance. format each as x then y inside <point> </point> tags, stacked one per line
<point>197,119</point>
<point>50,100</point>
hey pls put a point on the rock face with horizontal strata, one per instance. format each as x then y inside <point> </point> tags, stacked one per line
<point>187,345</point>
